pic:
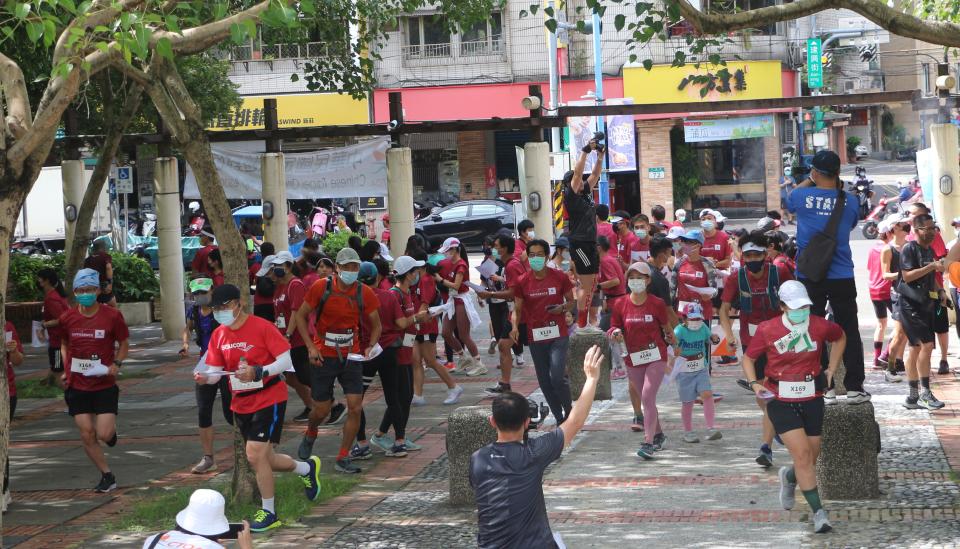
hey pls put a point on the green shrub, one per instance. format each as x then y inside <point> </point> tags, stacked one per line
<point>334,242</point>
<point>133,279</point>
<point>22,281</point>
<point>852,143</point>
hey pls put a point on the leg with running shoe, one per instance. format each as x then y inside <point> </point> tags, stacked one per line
<point>941,327</point>
<point>400,446</point>
<point>500,320</point>
<point>95,428</point>
<point>476,367</point>
<point>361,450</point>
<point>895,350</point>
<point>454,348</point>
<point>918,327</point>
<point>652,377</point>
<point>206,394</point>
<point>551,376</point>
<point>427,349</point>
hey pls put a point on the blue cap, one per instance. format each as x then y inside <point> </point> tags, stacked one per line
<point>693,311</point>
<point>693,234</point>
<point>368,272</point>
<point>86,278</point>
<point>563,242</point>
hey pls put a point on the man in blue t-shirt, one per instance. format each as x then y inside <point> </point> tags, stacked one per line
<point>813,201</point>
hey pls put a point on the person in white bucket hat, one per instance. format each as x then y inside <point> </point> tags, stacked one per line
<point>201,525</point>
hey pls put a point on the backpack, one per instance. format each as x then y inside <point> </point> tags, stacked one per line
<point>746,295</point>
<point>358,299</point>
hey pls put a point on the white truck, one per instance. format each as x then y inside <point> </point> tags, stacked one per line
<point>42,215</point>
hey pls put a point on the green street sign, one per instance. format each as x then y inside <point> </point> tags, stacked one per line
<point>814,63</point>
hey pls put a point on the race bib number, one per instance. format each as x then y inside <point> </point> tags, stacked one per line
<point>752,329</point>
<point>546,333</point>
<point>782,345</point>
<point>645,356</point>
<point>83,365</point>
<point>792,390</point>
<point>691,364</point>
<point>241,386</point>
<point>281,322</point>
<point>338,340</point>
<point>408,339</point>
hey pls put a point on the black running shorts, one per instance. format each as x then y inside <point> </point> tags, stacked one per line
<point>264,425</point>
<point>104,401</point>
<point>586,258</point>
<point>789,416</point>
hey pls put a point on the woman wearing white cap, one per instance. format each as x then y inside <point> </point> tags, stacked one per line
<point>453,276</point>
<point>794,385</point>
<point>201,525</point>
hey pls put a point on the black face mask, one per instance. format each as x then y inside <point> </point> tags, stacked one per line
<point>755,266</point>
<point>279,272</point>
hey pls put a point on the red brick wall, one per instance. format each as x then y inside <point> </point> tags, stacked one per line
<point>471,153</point>
<point>653,143</point>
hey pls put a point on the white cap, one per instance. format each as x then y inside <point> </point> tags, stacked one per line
<point>385,252</point>
<point>204,514</point>
<point>887,224</point>
<point>753,247</point>
<point>680,213</point>
<point>793,294</point>
<point>641,267</point>
<point>404,264</point>
<point>282,257</point>
<point>716,214</point>
<point>615,219</point>
<point>265,265</point>
<point>675,233</point>
<point>449,244</point>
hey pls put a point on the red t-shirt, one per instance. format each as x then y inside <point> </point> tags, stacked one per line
<point>642,325</point>
<point>625,247</point>
<point>286,302</point>
<point>427,295</point>
<point>785,262</point>
<point>610,269</point>
<point>513,271</point>
<point>11,378</point>
<point>390,311</point>
<point>694,274</point>
<point>53,306</point>
<point>605,228</point>
<point>449,270</point>
<point>761,309</point>
<point>788,365</point>
<point>340,315</point>
<point>199,263</point>
<point>385,284</point>
<point>716,247</point>
<point>88,336</point>
<point>98,262</point>
<point>218,279</point>
<point>879,286</point>
<point>519,247</point>
<point>251,272</point>
<point>537,295</point>
<point>310,278</point>
<point>407,308</point>
<point>640,250</point>
<point>259,341</point>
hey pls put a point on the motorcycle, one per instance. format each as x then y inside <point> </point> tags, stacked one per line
<point>863,189</point>
<point>888,205</point>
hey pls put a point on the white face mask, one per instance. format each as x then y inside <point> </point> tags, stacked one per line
<point>531,235</point>
<point>694,325</point>
<point>637,285</point>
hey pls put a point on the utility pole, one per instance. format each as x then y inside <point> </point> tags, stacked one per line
<point>601,120</point>
<point>554,83</point>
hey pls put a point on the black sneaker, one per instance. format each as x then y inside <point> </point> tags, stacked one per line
<point>346,466</point>
<point>928,401</point>
<point>303,416</point>
<point>658,440</point>
<point>337,414</point>
<point>911,403</point>
<point>944,368</point>
<point>743,383</point>
<point>498,389</point>
<point>113,440</point>
<point>646,451</point>
<point>108,483</point>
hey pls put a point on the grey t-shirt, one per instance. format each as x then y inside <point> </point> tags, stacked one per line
<point>508,481</point>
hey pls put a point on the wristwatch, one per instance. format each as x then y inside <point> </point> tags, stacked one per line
<point>118,363</point>
<point>752,382</point>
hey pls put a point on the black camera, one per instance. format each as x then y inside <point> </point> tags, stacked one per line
<point>599,137</point>
<point>537,412</point>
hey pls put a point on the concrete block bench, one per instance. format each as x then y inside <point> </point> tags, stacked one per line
<point>468,430</point>
<point>580,343</point>
<point>847,466</point>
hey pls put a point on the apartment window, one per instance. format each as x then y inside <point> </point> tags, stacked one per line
<point>427,36</point>
<point>925,72</point>
<point>483,38</point>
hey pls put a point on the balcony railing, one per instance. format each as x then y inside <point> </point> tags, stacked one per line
<point>269,52</point>
<point>474,48</point>
<point>463,51</point>
<point>427,51</point>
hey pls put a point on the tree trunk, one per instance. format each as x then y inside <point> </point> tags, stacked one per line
<point>91,196</point>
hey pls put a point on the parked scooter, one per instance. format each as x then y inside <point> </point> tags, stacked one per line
<point>863,189</point>
<point>886,206</point>
<point>197,220</point>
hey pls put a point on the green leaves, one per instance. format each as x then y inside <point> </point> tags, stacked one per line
<point>619,21</point>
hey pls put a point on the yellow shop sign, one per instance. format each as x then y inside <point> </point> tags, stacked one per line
<point>666,84</point>
<point>297,111</point>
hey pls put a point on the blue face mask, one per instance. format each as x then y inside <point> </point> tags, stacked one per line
<point>707,225</point>
<point>798,316</point>
<point>224,318</point>
<point>416,280</point>
<point>434,259</point>
<point>494,254</point>
<point>86,299</point>
<point>348,277</point>
<point>538,263</point>
<point>641,233</point>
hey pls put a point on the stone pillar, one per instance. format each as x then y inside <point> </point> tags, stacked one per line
<point>536,164</point>
<point>943,139</point>
<point>166,182</point>
<point>468,430</point>
<point>275,191</point>
<point>71,172</point>
<point>847,467</point>
<point>399,198</point>
<point>580,343</point>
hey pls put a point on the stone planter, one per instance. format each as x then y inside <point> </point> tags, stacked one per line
<point>22,315</point>
<point>136,314</point>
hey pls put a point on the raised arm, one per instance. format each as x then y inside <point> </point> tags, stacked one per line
<point>578,416</point>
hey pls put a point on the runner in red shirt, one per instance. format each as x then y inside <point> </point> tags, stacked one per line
<point>428,331</point>
<point>513,272</point>
<point>640,249</point>
<point>605,226</point>
<point>641,324</point>
<point>526,232</point>
<point>14,358</point>
<point>626,240</point>
<point>693,270</point>
<point>94,344</point>
<point>215,267</point>
<point>612,283</point>
<point>752,290</point>
<point>54,304</point>
<point>794,386</point>
<point>343,305</point>
<point>880,286</point>
<point>254,354</point>
<point>453,276</point>
<point>544,295</point>
<point>716,243</point>
<point>199,265</point>
<point>287,299</point>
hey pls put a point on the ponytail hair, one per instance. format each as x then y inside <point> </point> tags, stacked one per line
<point>50,276</point>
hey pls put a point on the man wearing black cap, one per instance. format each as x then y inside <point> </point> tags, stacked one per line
<point>812,202</point>
<point>578,201</point>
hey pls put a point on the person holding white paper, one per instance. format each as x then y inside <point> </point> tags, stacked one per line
<point>94,337</point>
<point>640,323</point>
<point>793,343</point>
<point>54,304</point>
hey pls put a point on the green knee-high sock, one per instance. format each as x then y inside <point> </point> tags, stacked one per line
<point>813,499</point>
<point>791,476</point>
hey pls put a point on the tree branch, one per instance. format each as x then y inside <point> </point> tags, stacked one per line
<point>118,62</point>
<point>13,88</point>
<point>178,91</point>
<point>197,39</point>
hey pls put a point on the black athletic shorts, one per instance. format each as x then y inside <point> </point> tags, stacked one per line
<point>586,258</point>
<point>788,416</point>
<point>917,324</point>
<point>881,306</point>
<point>54,358</point>
<point>500,319</point>
<point>347,372</point>
<point>301,363</point>
<point>941,322</point>
<point>423,338</point>
<point>104,401</point>
<point>264,425</point>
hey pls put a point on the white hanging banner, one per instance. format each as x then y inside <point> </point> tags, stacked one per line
<point>345,172</point>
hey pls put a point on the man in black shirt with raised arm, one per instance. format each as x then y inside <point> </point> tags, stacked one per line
<point>582,212</point>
